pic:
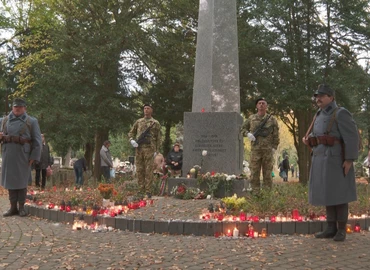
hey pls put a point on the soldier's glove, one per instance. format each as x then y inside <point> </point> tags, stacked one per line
<point>251,137</point>
<point>134,143</point>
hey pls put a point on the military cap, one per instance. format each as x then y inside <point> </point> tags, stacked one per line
<point>324,89</point>
<point>147,105</point>
<point>259,99</point>
<point>19,102</point>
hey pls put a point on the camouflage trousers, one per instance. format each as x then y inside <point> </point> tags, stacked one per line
<point>144,168</point>
<point>261,159</point>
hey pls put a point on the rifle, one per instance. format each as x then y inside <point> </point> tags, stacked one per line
<point>258,131</point>
<point>143,136</point>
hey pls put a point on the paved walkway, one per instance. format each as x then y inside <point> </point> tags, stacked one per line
<point>31,243</point>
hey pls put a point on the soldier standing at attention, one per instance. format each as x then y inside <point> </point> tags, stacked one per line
<point>21,147</point>
<point>145,136</point>
<point>263,131</point>
<point>333,137</point>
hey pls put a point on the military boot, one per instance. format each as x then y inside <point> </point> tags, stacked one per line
<point>12,211</point>
<point>22,211</point>
<point>341,233</point>
<point>330,231</point>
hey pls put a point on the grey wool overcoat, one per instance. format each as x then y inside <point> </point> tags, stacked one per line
<point>327,183</point>
<point>15,169</point>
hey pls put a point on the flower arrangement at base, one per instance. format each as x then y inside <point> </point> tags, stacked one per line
<point>215,180</point>
<point>186,193</point>
<point>107,190</point>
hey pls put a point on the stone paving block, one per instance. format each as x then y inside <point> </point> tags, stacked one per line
<point>242,226</point>
<point>288,227</point>
<point>53,215</point>
<point>40,212</point>
<point>274,227</point>
<point>367,223</point>
<point>32,210</point>
<point>88,219</point>
<point>258,226</point>
<point>217,228</point>
<point>228,227</point>
<point>121,223</point>
<point>147,226</point>
<point>109,221</point>
<point>69,217</point>
<point>161,226</point>
<point>314,226</point>
<point>133,225</point>
<point>61,216</point>
<point>46,214</point>
<point>176,227</point>
<point>27,209</point>
<point>302,227</point>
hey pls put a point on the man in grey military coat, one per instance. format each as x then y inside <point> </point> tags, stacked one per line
<point>21,146</point>
<point>334,141</point>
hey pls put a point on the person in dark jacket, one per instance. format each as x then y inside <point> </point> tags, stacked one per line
<point>41,166</point>
<point>174,160</point>
<point>286,168</point>
<point>21,147</point>
<point>79,167</point>
<point>333,137</point>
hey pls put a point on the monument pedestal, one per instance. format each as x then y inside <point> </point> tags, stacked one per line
<point>219,134</point>
<point>238,187</point>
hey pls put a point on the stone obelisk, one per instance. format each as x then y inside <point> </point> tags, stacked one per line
<point>215,121</point>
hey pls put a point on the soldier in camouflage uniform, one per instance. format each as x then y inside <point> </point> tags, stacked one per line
<point>145,136</point>
<point>264,141</point>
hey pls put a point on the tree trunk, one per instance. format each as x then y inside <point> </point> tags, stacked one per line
<point>89,151</point>
<point>100,137</point>
<point>167,139</point>
<point>304,119</point>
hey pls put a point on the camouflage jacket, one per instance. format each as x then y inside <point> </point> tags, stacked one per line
<point>269,137</point>
<point>154,137</point>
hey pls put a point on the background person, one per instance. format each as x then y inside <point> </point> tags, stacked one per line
<point>286,167</point>
<point>263,131</point>
<point>21,147</point>
<point>335,143</point>
<point>145,137</point>
<point>174,160</point>
<point>106,160</point>
<point>41,166</point>
<point>79,167</point>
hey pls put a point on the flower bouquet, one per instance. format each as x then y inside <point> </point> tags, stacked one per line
<point>106,190</point>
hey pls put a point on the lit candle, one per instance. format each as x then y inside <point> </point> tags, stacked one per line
<point>235,233</point>
<point>255,234</point>
<point>228,233</point>
<point>264,233</point>
<point>348,228</point>
<point>357,227</point>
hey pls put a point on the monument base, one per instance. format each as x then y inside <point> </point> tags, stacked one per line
<point>239,186</point>
<point>219,134</point>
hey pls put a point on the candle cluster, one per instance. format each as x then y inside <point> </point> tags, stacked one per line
<point>222,214</point>
<point>251,233</point>
<point>92,210</point>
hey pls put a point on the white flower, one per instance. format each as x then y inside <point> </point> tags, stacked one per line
<point>228,178</point>
<point>204,153</point>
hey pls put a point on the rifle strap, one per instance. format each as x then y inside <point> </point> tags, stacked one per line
<point>310,128</point>
<point>332,119</point>
<point>263,123</point>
